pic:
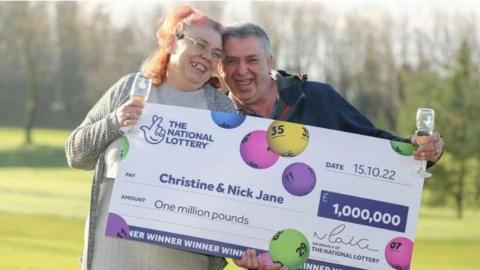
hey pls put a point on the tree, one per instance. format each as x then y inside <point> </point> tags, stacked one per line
<point>111,52</point>
<point>70,74</point>
<point>28,35</point>
<point>460,100</point>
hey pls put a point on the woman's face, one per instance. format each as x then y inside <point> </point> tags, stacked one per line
<point>194,57</point>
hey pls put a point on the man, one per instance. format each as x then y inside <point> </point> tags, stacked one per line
<point>258,90</point>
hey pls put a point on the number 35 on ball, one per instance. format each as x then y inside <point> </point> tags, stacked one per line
<point>287,139</point>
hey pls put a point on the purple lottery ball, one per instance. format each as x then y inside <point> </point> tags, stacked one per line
<point>299,179</point>
<point>116,226</point>
<point>255,151</point>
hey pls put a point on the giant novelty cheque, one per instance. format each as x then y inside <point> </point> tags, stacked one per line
<point>306,197</point>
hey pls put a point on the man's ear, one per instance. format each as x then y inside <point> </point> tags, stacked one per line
<point>171,42</point>
<point>270,62</point>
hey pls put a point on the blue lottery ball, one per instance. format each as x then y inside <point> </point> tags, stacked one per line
<point>228,120</point>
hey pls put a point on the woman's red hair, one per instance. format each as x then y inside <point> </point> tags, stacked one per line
<point>155,66</point>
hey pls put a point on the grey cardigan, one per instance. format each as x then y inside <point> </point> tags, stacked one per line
<point>86,145</point>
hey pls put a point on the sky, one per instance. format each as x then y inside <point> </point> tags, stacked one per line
<point>120,10</point>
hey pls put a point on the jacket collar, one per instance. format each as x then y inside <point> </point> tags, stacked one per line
<point>290,93</point>
<point>289,86</point>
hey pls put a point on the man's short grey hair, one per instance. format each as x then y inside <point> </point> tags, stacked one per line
<point>247,29</point>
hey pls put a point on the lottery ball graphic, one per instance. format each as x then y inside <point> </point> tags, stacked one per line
<point>228,120</point>
<point>124,148</point>
<point>290,248</point>
<point>299,179</point>
<point>404,149</point>
<point>255,152</point>
<point>116,226</point>
<point>398,253</point>
<point>287,139</point>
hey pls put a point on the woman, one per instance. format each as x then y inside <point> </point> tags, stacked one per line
<point>189,48</point>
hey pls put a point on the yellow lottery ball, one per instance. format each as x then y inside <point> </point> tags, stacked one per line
<point>287,139</point>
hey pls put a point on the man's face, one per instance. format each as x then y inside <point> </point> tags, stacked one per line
<point>246,69</point>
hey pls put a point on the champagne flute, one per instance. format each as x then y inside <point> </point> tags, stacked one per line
<point>425,124</point>
<point>140,91</point>
<point>141,87</point>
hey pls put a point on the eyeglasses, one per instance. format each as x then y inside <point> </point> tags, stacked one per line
<point>205,48</point>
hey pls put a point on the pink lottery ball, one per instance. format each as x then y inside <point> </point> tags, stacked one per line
<point>398,253</point>
<point>255,151</point>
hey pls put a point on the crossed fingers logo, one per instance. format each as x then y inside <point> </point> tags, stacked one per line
<point>155,133</point>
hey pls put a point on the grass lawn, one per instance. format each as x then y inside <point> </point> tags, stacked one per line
<point>39,241</point>
<point>444,242</point>
<point>43,205</point>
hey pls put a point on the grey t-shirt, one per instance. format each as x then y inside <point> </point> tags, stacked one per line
<point>165,94</point>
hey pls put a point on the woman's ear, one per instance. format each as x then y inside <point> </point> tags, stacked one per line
<point>171,42</point>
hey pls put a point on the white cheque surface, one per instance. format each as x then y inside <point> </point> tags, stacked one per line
<point>182,183</point>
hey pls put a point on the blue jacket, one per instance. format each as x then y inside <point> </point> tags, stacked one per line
<point>318,104</point>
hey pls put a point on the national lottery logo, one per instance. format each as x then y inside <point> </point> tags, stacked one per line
<point>155,133</point>
<point>175,133</point>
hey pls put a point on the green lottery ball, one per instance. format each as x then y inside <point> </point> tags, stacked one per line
<point>290,248</point>
<point>404,149</point>
<point>124,148</point>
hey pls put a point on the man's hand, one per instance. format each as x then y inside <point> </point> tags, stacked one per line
<point>431,146</point>
<point>250,260</point>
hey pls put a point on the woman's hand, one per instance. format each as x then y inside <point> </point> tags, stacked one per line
<point>251,261</point>
<point>129,113</point>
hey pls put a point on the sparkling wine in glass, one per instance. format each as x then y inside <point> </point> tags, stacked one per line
<point>425,125</point>
<point>141,87</point>
<point>140,91</point>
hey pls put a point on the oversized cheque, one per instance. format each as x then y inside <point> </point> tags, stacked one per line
<point>214,183</point>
